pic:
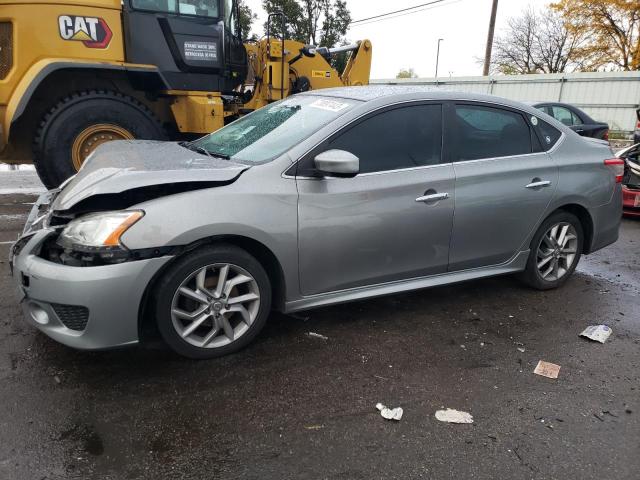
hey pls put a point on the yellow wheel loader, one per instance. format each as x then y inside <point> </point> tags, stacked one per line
<point>77,73</point>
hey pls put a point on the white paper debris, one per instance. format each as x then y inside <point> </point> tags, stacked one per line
<point>597,333</point>
<point>546,369</point>
<point>521,349</point>
<point>390,413</point>
<point>454,416</point>
<point>317,335</point>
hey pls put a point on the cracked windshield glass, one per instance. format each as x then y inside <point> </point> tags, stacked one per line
<point>271,131</point>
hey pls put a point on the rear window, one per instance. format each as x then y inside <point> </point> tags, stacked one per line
<point>549,135</point>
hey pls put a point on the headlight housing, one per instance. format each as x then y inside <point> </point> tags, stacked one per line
<point>98,232</point>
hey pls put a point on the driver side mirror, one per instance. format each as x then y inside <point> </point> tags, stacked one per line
<point>337,163</point>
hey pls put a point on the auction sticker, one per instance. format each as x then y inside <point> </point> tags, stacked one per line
<point>200,51</point>
<point>329,105</point>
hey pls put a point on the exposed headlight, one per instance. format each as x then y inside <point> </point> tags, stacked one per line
<point>98,232</point>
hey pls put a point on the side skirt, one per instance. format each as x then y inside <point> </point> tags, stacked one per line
<point>516,264</point>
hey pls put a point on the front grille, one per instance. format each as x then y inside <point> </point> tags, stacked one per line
<point>6,49</point>
<point>73,317</point>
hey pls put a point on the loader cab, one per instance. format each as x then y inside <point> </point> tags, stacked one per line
<point>196,44</point>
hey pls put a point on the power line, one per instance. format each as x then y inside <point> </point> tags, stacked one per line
<point>423,9</point>
<point>398,11</point>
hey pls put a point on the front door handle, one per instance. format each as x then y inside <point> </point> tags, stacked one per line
<point>433,197</point>
<point>537,183</point>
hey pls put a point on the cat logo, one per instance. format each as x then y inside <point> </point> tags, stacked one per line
<point>93,32</point>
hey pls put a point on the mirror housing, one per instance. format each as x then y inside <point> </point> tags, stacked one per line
<point>337,163</point>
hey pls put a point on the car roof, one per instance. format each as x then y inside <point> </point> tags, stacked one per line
<point>393,93</point>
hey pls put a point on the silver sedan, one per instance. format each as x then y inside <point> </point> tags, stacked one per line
<point>322,198</point>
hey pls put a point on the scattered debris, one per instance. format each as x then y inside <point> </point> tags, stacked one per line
<point>381,377</point>
<point>597,333</point>
<point>57,379</point>
<point>598,417</point>
<point>390,414</point>
<point>520,349</point>
<point>317,335</point>
<point>314,427</point>
<point>454,416</point>
<point>546,369</point>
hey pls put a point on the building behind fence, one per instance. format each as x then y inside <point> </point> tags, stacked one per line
<point>611,97</point>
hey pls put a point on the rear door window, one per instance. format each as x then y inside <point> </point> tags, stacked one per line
<point>565,116</point>
<point>404,137</point>
<point>479,131</point>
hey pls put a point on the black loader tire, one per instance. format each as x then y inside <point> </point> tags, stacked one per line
<point>62,124</point>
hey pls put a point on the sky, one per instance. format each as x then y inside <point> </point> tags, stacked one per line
<point>410,40</point>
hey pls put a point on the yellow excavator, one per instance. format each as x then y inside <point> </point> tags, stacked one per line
<point>77,73</point>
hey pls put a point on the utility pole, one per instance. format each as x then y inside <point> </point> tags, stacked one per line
<point>438,56</point>
<point>492,27</point>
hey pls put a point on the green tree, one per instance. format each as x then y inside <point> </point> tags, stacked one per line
<point>246,19</point>
<point>613,27</point>
<point>315,22</point>
<point>407,73</point>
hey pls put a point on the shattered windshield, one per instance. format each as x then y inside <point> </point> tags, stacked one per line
<point>267,133</point>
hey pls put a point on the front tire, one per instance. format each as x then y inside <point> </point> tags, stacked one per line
<point>555,251</point>
<point>212,302</point>
<point>79,123</point>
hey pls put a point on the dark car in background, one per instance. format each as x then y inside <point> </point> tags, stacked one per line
<point>575,119</point>
<point>636,134</point>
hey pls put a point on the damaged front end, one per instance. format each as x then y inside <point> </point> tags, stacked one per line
<point>86,217</point>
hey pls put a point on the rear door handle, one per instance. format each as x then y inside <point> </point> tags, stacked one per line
<point>539,183</point>
<point>434,197</point>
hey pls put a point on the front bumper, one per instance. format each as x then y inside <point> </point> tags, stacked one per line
<point>631,201</point>
<point>112,294</point>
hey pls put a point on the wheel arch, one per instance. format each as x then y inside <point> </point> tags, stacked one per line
<point>48,81</point>
<point>262,253</point>
<point>586,221</point>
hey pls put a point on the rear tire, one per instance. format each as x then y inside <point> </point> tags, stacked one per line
<point>78,123</point>
<point>555,252</point>
<point>230,312</point>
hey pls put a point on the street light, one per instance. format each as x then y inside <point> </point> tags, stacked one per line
<point>438,56</point>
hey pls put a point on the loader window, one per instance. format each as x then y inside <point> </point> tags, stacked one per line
<point>200,8</point>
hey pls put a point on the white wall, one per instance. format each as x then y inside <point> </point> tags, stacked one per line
<point>610,97</point>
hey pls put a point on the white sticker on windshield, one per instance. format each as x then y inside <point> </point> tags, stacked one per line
<point>330,105</point>
<point>534,121</point>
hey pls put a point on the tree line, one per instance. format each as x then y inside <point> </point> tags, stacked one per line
<point>569,36</point>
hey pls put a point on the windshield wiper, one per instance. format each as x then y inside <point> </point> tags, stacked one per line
<point>204,151</point>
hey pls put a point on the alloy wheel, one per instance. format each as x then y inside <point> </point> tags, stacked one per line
<point>215,305</point>
<point>557,251</point>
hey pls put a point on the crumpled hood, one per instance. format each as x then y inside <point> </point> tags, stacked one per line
<point>116,167</point>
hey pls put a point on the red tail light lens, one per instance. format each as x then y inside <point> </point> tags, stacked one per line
<point>638,125</point>
<point>617,167</point>
<point>606,135</point>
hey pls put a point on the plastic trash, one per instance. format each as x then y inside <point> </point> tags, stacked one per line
<point>317,335</point>
<point>390,413</point>
<point>454,416</point>
<point>597,333</point>
<point>546,369</point>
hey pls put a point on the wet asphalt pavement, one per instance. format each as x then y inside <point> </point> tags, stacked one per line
<point>294,407</point>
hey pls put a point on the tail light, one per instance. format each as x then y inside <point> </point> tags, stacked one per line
<point>638,125</point>
<point>617,167</point>
<point>606,135</point>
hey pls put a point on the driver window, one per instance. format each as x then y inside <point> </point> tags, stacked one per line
<point>201,8</point>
